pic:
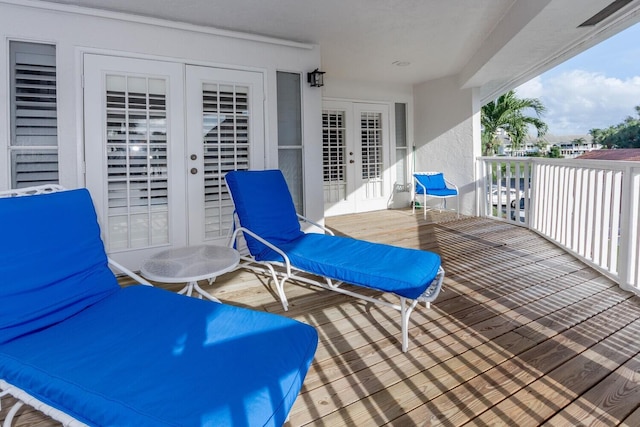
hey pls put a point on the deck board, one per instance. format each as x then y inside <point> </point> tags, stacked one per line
<point>523,334</point>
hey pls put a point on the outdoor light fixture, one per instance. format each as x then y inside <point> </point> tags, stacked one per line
<point>315,78</point>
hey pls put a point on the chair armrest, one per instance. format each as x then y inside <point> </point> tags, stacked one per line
<point>451,185</point>
<point>128,272</point>
<point>417,181</point>
<point>266,243</point>
<point>321,227</point>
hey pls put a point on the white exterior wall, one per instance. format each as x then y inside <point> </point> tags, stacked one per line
<point>447,135</point>
<point>76,30</point>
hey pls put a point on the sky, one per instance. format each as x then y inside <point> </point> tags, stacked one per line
<point>595,89</point>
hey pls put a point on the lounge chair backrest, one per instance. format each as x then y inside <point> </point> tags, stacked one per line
<point>431,182</point>
<point>264,206</point>
<point>53,262</point>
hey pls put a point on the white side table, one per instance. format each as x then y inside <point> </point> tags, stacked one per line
<point>190,264</point>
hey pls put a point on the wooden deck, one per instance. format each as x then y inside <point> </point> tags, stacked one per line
<point>523,335</point>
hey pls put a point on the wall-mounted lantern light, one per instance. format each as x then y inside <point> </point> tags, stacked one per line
<point>315,78</point>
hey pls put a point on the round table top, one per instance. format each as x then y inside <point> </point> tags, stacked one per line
<point>190,263</point>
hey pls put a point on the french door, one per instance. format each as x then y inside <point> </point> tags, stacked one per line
<point>225,132</point>
<point>159,138</point>
<point>356,157</point>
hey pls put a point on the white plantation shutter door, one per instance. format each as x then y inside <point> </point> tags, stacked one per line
<point>137,186</point>
<point>333,152</point>
<point>34,135</point>
<point>372,153</point>
<point>225,132</point>
<point>225,120</point>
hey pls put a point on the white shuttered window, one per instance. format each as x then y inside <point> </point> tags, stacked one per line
<point>34,130</point>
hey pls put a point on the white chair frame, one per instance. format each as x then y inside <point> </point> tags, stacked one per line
<point>415,196</point>
<point>20,395</point>
<point>280,272</point>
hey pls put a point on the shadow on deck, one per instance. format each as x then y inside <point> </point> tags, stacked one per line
<point>523,334</point>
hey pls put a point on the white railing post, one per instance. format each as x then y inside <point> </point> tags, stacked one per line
<point>629,241</point>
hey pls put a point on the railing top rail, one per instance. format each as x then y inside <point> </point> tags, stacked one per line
<point>578,163</point>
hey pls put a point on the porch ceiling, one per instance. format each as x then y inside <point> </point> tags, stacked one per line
<point>492,44</point>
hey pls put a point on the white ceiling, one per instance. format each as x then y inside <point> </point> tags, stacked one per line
<point>491,44</point>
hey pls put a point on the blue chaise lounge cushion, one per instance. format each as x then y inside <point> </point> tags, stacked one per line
<point>402,271</point>
<point>405,272</point>
<point>39,250</point>
<point>71,337</point>
<point>275,218</point>
<point>148,357</point>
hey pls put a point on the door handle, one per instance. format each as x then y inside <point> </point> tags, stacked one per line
<point>194,171</point>
<point>194,157</point>
<point>352,161</point>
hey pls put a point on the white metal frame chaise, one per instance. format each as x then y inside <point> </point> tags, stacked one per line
<point>83,350</point>
<point>276,246</point>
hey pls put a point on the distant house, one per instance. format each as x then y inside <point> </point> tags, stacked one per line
<point>571,146</point>
<point>628,154</point>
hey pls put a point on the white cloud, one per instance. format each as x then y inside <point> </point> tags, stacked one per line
<point>531,89</point>
<point>577,100</point>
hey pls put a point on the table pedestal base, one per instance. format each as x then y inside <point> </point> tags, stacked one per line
<point>191,286</point>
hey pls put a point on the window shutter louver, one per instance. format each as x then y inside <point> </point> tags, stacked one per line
<point>226,120</point>
<point>34,134</point>
<point>334,157</point>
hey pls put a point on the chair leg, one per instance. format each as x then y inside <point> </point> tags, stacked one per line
<point>283,297</point>
<point>405,324</point>
<point>424,206</point>
<point>12,413</point>
<point>279,287</point>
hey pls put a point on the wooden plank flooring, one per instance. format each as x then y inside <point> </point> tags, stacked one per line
<point>523,335</point>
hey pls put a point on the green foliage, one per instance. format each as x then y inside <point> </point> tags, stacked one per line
<point>554,152</point>
<point>622,135</point>
<point>508,112</point>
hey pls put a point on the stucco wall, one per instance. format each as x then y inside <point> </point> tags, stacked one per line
<point>447,134</point>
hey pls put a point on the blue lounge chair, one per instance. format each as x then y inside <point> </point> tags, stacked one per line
<point>277,246</point>
<point>80,348</point>
<point>433,184</point>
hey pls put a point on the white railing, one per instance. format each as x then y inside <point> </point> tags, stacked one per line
<point>589,207</point>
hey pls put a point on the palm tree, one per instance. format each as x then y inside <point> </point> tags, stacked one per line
<point>508,113</point>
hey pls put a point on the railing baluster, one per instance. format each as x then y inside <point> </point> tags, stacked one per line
<point>588,229</point>
<point>591,208</point>
<point>614,241</point>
